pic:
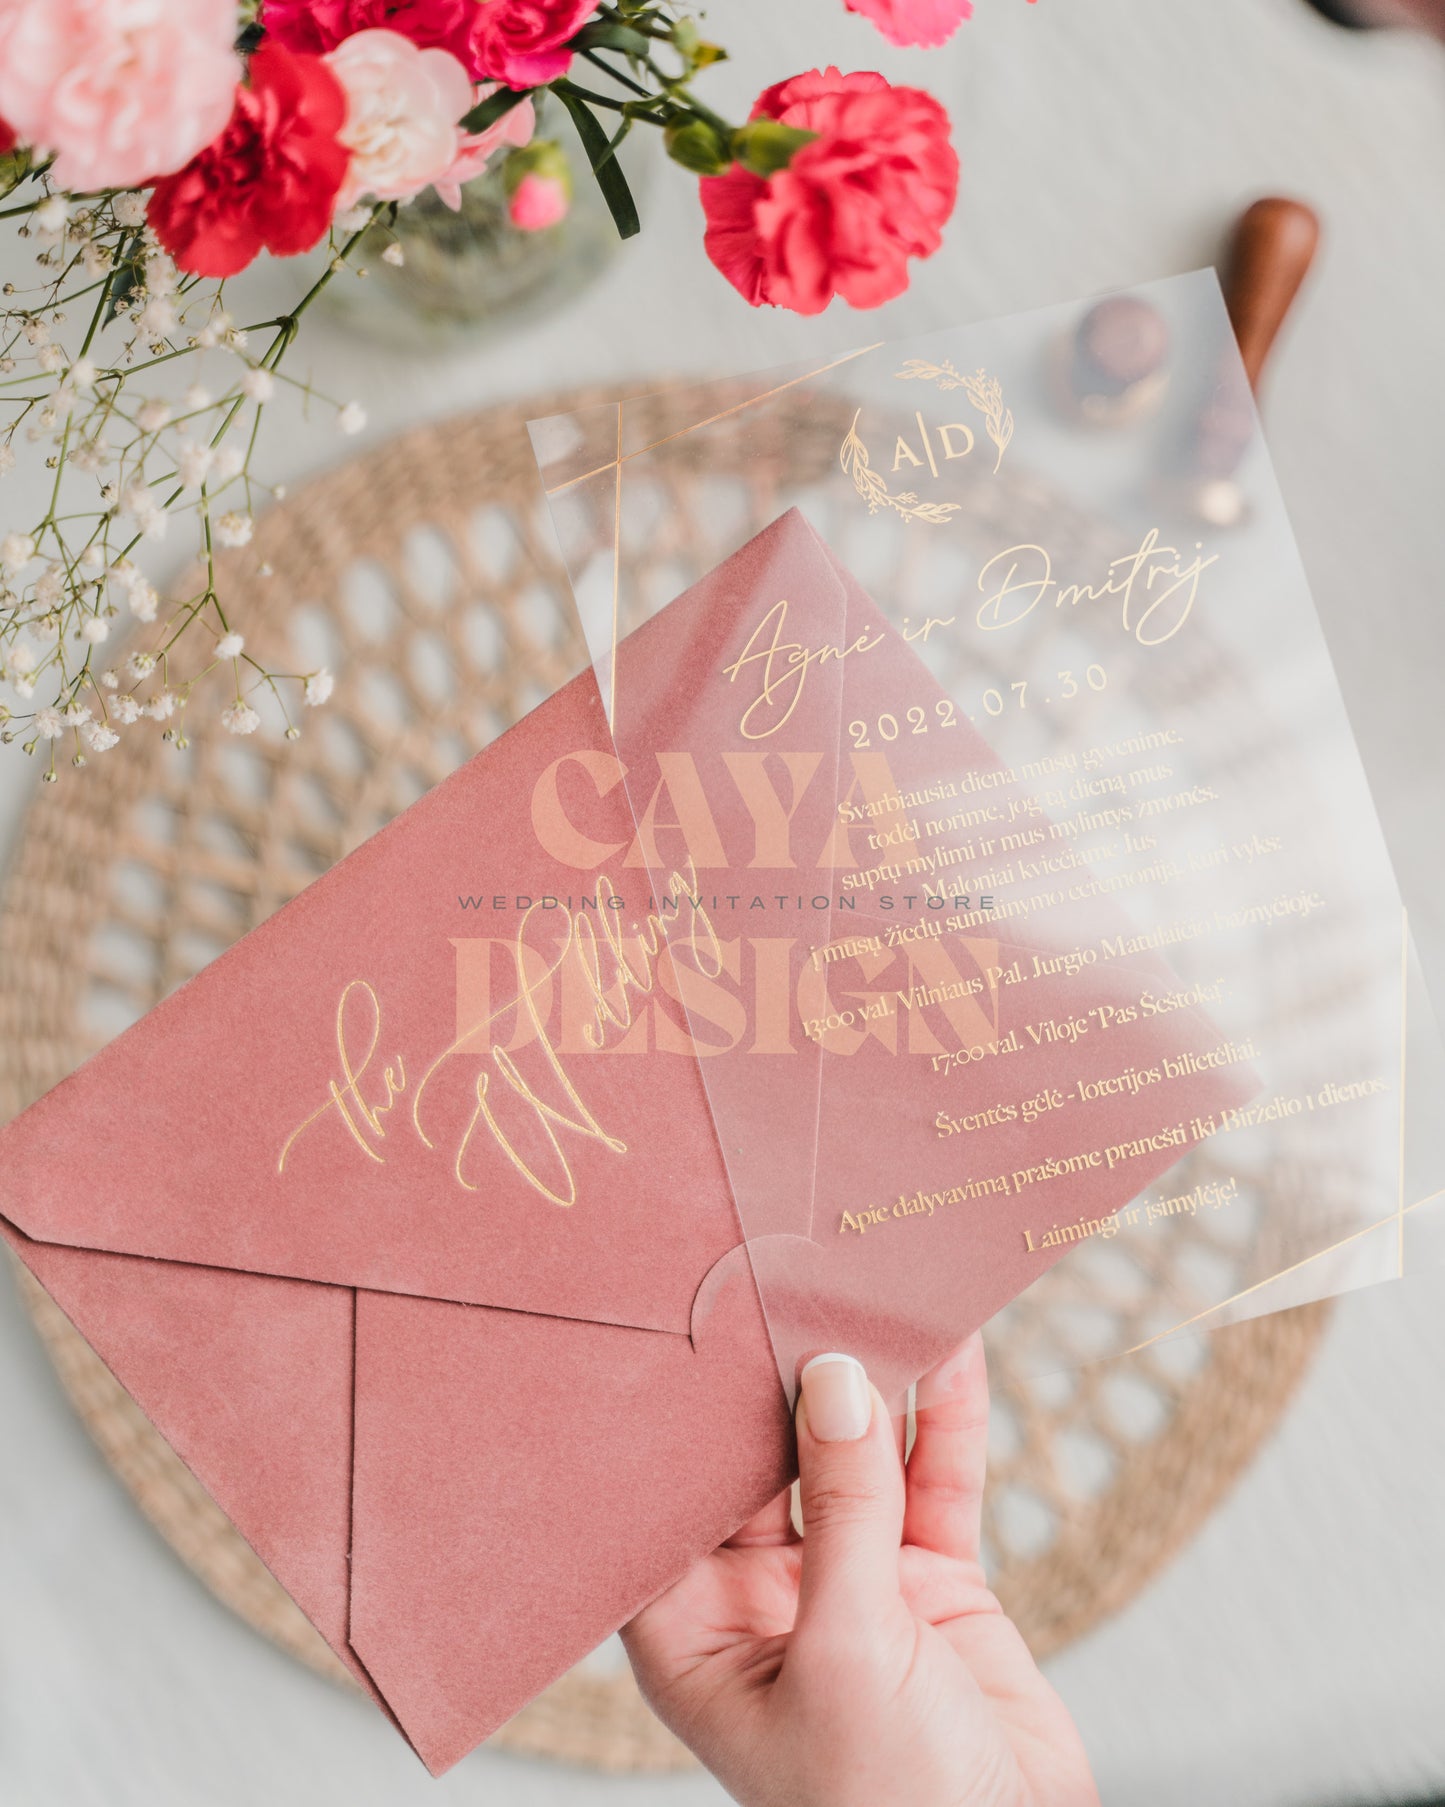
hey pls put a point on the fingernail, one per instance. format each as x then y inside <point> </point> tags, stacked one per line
<point>950,1377</point>
<point>838,1398</point>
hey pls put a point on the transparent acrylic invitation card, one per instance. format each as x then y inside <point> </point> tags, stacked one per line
<point>949,888</point>
<point>1096,985</point>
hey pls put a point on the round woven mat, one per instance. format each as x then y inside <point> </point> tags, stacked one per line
<point>424,575</point>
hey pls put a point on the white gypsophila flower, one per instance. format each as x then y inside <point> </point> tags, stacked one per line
<point>160,273</point>
<point>21,657</point>
<point>48,724</point>
<point>7,459</point>
<point>51,217</point>
<point>151,416</point>
<point>236,337</point>
<point>129,209</point>
<point>125,572</point>
<point>126,709</point>
<point>318,687</point>
<point>230,646</point>
<point>240,718</point>
<point>198,396</point>
<point>144,599</point>
<point>111,680</point>
<point>109,494</point>
<point>77,715</point>
<point>161,707</point>
<point>229,461</point>
<point>258,385</point>
<point>157,317</point>
<point>393,254</point>
<point>92,456</point>
<point>95,259</point>
<point>82,373</point>
<point>352,418</point>
<point>98,737</point>
<point>50,586</point>
<point>145,511</point>
<point>140,665</point>
<point>25,687</point>
<point>95,630</point>
<point>36,331</point>
<point>50,359</point>
<point>233,529</point>
<point>93,557</point>
<point>16,551</point>
<point>352,219</point>
<point>193,461</point>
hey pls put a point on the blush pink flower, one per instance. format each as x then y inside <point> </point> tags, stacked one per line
<point>402,108</point>
<point>121,90</point>
<point>926,22</point>
<point>524,42</point>
<point>855,203</point>
<point>476,149</point>
<point>538,202</point>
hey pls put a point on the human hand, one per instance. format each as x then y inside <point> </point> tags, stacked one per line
<point>867,1664</point>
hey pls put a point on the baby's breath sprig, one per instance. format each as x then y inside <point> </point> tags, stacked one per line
<point>131,459</point>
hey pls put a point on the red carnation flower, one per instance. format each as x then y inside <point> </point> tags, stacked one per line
<point>852,206</point>
<point>7,137</point>
<point>270,179</point>
<point>317,26</point>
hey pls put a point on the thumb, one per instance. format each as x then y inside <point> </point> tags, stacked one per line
<point>851,1486</point>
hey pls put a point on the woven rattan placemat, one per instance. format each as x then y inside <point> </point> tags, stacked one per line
<point>423,574</point>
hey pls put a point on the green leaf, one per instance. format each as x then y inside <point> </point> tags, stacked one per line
<point>128,272</point>
<point>489,111</point>
<point>605,166</point>
<point>601,34</point>
<point>14,167</point>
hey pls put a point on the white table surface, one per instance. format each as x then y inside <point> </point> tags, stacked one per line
<point>1294,1654</point>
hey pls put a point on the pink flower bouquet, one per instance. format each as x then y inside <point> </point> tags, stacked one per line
<point>153,148</point>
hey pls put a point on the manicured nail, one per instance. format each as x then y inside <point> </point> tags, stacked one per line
<point>951,1377</point>
<point>838,1398</point>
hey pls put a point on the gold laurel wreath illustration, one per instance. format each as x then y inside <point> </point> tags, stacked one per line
<point>986,395</point>
<point>984,391</point>
<point>853,456</point>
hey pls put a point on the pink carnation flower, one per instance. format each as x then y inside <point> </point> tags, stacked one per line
<point>871,190</point>
<point>926,22</point>
<point>402,108</point>
<point>476,149</point>
<point>320,25</point>
<point>524,42</point>
<point>121,90</point>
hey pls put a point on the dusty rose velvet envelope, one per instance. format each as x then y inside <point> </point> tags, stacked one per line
<point>470,1429</point>
<point>457,1326</point>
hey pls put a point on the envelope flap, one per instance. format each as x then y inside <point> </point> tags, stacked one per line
<point>451,1067</point>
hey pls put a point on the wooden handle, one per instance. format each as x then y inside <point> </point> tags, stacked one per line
<point>1269,255</point>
